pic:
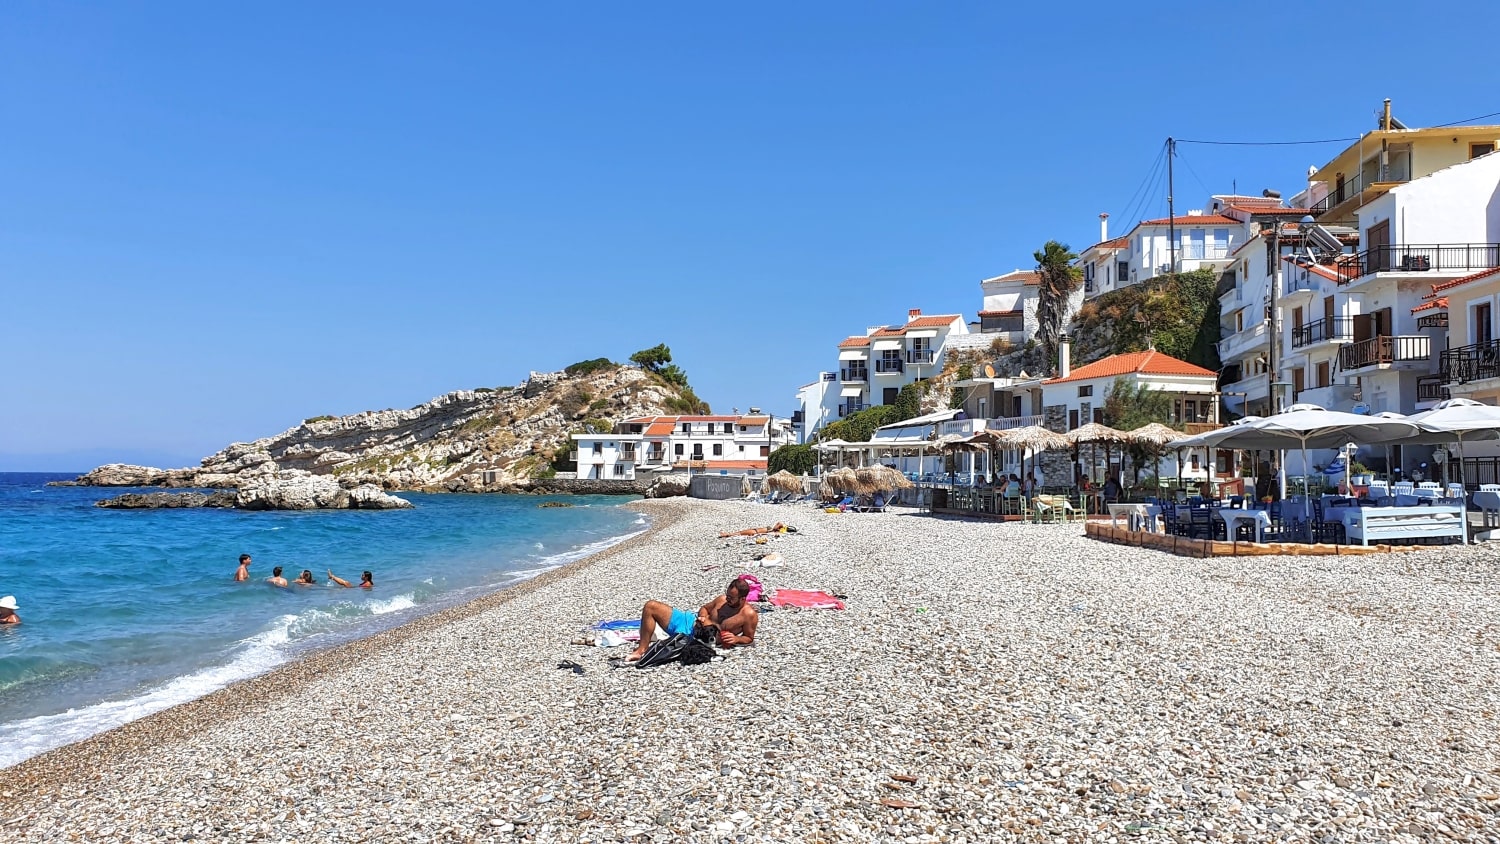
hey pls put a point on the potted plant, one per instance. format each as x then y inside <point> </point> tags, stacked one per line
<point>1360,474</point>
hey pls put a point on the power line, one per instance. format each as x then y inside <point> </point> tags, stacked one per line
<point>1469,120</point>
<point>1141,191</point>
<point>1195,175</point>
<point>1270,143</point>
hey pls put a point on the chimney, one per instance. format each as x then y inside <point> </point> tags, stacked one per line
<point>1385,120</point>
<point>1103,227</point>
<point>913,314</point>
<point>1064,356</point>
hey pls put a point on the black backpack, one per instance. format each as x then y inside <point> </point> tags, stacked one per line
<point>679,647</point>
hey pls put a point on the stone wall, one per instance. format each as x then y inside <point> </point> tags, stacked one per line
<point>590,486</point>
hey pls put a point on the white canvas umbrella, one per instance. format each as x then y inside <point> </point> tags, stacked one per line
<point>1457,420</point>
<point>1305,426</point>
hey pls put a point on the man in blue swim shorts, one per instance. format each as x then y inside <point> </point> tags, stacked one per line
<point>730,612</point>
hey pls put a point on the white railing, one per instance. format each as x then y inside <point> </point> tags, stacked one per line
<point>1241,341</point>
<point>971,426</point>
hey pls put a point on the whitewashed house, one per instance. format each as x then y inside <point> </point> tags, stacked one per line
<point>734,444</point>
<point>817,405</point>
<point>875,366</point>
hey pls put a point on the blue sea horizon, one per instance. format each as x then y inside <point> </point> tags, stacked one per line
<point>127,612</point>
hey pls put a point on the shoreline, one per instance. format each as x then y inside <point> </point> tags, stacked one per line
<point>179,720</point>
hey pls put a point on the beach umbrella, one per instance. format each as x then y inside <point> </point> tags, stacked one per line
<point>1033,439</point>
<point>746,490</point>
<point>826,490</point>
<point>1158,436</point>
<point>1092,434</point>
<point>1460,421</point>
<point>784,481</point>
<point>893,479</point>
<point>843,480</point>
<point>1304,426</point>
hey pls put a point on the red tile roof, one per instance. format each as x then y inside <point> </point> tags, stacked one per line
<point>936,321</point>
<point>1269,209</point>
<point>752,420</point>
<point>1316,269</point>
<point>999,313</point>
<point>854,342</point>
<point>889,332</point>
<point>1438,304</point>
<point>1029,277</point>
<point>1196,220</point>
<point>1150,362</point>
<point>1122,242</point>
<point>661,428</point>
<point>724,464</point>
<point>1449,285</point>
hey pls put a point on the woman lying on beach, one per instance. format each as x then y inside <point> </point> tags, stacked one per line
<point>755,531</point>
<point>366,580</point>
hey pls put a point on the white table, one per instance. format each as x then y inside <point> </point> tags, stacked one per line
<point>1137,516</point>
<point>1232,518</point>
<point>1367,523</point>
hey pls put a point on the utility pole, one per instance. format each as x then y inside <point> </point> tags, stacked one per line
<point>1274,354</point>
<point>1171,209</point>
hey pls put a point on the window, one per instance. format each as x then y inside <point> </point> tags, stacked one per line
<point>1298,380</point>
<point>1122,271</point>
<point>598,448</point>
<point>1193,244</point>
<point>742,429</point>
<point>718,449</point>
<point>1194,462</point>
<point>1085,392</point>
<point>1189,411</point>
<point>1072,419</point>
<point>765,451</point>
<point>1099,415</point>
<point>1476,150</point>
<point>1221,244</point>
<point>729,427</point>
<point>619,469</point>
<point>888,395</point>
<point>1239,320</point>
<point>677,449</point>
<point>697,451</point>
<point>686,428</point>
<point>742,449</point>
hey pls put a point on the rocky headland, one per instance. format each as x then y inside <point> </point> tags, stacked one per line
<point>504,439</point>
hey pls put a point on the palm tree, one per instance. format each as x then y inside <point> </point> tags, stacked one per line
<point>1057,280</point>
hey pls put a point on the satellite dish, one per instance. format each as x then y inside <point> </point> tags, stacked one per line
<point>1362,409</point>
<point>989,371</point>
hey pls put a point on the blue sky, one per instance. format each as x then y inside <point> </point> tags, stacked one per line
<point>221,219</point>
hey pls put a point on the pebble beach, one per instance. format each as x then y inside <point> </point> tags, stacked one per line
<point>986,682</point>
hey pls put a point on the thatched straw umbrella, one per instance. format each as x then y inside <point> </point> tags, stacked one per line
<point>1157,436</point>
<point>784,481</point>
<point>842,480</point>
<point>826,491</point>
<point>1094,433</point>
<point>1033,439</point>
<point>893,479</point>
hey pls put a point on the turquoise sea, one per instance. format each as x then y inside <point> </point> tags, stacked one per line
<point>127,612</point>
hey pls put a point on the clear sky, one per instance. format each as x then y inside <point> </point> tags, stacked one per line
<point>220,219</point>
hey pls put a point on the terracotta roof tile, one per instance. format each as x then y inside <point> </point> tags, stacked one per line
<point>660,428</point>
<point>1150,362</point>
<point>1029,277</point>
<point>999,313</point>
<point>1438,304</point>
<point>1122,242</point>
<point>854,342</point>
<point>724,464</point>
<point>935,321</point>
<point>889,332</point>
<point>1449,285</point>
<point>1196,220</point>
<point>1316,269</point>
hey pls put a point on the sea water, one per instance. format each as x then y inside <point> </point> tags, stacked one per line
<point>127,612</point>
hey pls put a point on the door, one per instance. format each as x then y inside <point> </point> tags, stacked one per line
<point>1328,312</point>
<point>1483,326</point>
<point>1378,245</point>
<point>1297,381</point>
<point>1321,372</point>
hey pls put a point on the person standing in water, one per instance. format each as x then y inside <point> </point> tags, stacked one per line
<point>276,579</point>
<point>305,578</point>
<point>242,573</point>
<point>366,580</point>
<point>8,609</point>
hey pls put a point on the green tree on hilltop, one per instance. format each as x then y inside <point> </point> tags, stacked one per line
<point>654,358</point>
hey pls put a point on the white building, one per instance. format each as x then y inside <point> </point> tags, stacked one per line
<point>817,405</point>
<point>874,367</point>
<point>736,444</point>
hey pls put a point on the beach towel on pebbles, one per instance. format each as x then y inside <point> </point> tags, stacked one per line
<point>806,599</point>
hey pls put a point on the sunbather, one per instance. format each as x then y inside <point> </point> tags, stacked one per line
<point>757,531</point>
<point>730,612</point>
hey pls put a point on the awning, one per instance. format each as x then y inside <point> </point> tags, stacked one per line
<point>852,391</point>
<point>921,332</point>
<point>882,345</point>
<point>854,354</point>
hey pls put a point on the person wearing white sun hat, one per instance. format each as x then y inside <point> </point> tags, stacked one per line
<point>8,610</point>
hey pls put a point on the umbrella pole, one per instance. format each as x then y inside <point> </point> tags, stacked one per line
<point>1306,496</point>
<point>1463,492</point>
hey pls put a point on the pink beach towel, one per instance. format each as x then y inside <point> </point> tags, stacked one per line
<point>806,599</point>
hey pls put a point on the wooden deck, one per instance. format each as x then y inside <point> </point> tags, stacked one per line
<point>1188,547</point>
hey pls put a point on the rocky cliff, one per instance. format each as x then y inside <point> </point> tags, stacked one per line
<point>451,443</point>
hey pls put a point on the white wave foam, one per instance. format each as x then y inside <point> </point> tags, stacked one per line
<point>539,546</point>
<point>257,654</point>
<point>396,604</point>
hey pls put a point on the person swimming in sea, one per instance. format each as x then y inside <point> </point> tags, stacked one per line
<point>366,580</point>
<point>305,579</point>
<point>8,609</point>
<point>276,579</point>
<point>242,573</point>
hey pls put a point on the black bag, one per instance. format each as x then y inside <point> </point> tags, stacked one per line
<point>679,647</point>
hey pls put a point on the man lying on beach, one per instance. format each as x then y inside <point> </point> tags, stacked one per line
<point>242,573</point>
<point>735,618</point>
<point>276,579</point>
<point>366,580</point>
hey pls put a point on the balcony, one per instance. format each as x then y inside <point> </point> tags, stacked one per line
<point>1328,397</point>
<point>851,407</point>
<point>887,365</point>
<point>1408,258</point>
<point>965,427</point>
<point>1241,342</point>
<point>1343,200</point>
<point>627,456</point>
<point>1007,422</point>
<point>1430,389</point>
<point>1474,362</point>
<point>656,457</point>
<point>854,373</point>
<point>921,356</point>
<point>1384,351</point>
<point>1323,331</point>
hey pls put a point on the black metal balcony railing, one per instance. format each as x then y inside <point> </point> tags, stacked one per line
<point>850,407</point>
<point>1408,258</point>
<point>1350,189</point>
<point>1328,328</point>
<point>920,355</point>
<point>627,456</point>
<point>1430,388</point>
<point>656,456</point>
<point>1384,350</point>
<point>890,365</point>
<point>1470,363</point>
<point>855,373</point>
